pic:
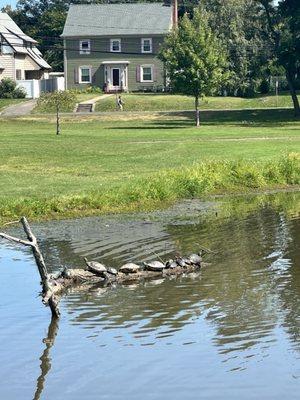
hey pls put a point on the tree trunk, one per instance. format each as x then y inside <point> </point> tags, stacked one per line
<point>197,111</point>
<point>57,121</point>
<point>293,92</point>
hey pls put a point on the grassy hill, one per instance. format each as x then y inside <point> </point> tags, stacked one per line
<point>101,165</point>
<point>167,102</point>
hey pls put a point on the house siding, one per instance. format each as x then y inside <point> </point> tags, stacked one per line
<point>8,62</point>
<point>100,51</point>
<point>19,64</point>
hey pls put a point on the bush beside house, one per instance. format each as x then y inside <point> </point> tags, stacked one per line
<point>9,90</point>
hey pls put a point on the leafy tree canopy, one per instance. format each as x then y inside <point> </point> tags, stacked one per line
<point>195,60</point>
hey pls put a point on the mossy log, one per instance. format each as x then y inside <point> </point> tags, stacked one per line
<point>54,285</point>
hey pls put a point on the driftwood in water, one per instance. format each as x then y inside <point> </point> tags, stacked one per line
<point>49,298</point>
<point>55,284</point>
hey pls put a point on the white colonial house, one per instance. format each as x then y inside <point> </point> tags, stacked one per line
<point>20,59</point>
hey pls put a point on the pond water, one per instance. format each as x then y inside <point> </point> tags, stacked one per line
<point>230,332</point>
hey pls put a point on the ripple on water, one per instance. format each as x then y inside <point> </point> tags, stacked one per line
<point>240,310</point>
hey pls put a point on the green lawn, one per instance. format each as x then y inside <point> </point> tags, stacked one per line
<point>9,102</point>
<point>166,102</point>
<point>98,154</point>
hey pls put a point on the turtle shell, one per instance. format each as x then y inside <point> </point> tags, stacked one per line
<point>112,271</point>
<point>96,267</point>
<point>129,268</point>
<point>186,260</point>
<point>181,262</point>
<point>171,264</point>
<point>195,259</point>
<point>155,266</point>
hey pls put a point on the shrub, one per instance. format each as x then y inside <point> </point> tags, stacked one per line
<point>9,90</point>
<point>265,87</point>
<point>88,89</point>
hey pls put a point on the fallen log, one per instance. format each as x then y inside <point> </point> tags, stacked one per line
<point>54,285</point>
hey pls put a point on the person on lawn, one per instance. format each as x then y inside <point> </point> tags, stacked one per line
<point>120,103</point>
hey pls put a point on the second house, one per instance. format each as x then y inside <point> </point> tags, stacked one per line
<point>115,46</point>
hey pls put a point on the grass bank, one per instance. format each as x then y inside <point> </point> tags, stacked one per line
<point>100,164</point>
<point>167,102</point>
<point>162,188</point>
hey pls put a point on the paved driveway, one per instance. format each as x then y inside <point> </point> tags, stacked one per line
<point>19,109</point>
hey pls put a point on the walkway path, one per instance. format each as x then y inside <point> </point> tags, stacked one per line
<point>19,109</point>
<point>89,105</point>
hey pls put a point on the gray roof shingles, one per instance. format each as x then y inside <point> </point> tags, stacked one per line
<point>118,19</point>
<point>17,39</point>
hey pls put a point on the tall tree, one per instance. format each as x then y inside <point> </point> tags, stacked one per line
<point>283,27</point>
<point>194,58</point>
<point>238,23</point>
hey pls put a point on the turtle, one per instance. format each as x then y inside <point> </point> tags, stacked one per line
<point>96,267</point>
<point>112,271</point>
<point>65,273</point>
<point>186,260</point>
<point>155,266</point>
<point>181,262</point>
<point>129,268</point>
<point>171,264</point>
<point>195,259</point>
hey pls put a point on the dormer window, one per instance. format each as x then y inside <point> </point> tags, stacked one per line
<point>115,45</point>
<point>146,45</point>
<point>85,47</point>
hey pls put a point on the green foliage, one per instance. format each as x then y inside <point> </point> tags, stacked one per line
<point>240,26</point>
<point>9,90</point>
<point>57,101</point>
<point>162,188</point>
<point>265,87</point>
<point>283,31</point>
<point>194,58</point>
<point>87,90</point>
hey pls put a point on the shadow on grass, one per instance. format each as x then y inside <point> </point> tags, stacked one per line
<point>256,118</point>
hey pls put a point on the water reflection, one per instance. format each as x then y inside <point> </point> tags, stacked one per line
<point>46,358</point>
<point>242,294</point>
<point>239,293</point>
<point>245,304</point>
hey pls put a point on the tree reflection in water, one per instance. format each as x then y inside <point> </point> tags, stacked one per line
<point>46,358</point>
<point>249,288</point>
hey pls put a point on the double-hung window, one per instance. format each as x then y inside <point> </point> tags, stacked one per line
<point>85,47</point>
<point>146,45</point>
<point>115,45</point>
<point>147,73</point>
<point>85,74</point>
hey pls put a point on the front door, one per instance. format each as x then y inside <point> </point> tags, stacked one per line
<point>116,77</point>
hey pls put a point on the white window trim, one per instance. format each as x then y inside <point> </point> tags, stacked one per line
<point>80,74</point>
<point>141,73</point>
<point>111,45</point>
<point>84,51</point>
<point>142,45</point>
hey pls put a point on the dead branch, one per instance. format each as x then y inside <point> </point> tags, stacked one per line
<point>51,300</point>
<point>14,239</point>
